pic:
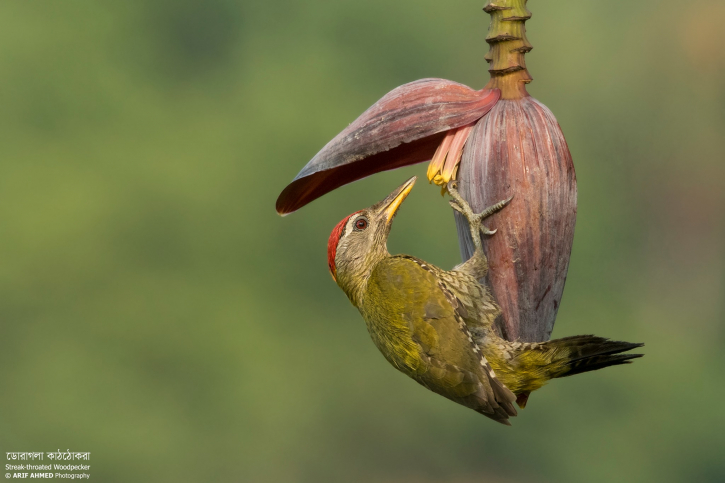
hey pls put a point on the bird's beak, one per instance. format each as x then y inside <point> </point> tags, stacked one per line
<point>389,206</point>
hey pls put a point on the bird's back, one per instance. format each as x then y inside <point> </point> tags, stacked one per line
<point>417,325</point>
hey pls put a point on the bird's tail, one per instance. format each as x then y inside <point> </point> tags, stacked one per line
<point>584,353</point>
<point>566,357</point>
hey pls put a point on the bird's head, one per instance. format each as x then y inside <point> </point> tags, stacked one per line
<point>360,240</point>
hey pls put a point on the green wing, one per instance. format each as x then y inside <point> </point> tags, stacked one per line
<point>415,322</point>
<point>475,303</point>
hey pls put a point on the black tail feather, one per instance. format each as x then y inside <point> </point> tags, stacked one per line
<point>584,353</point>
<point>595,362</point>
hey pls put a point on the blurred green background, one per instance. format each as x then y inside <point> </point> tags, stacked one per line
<point>156,311</point>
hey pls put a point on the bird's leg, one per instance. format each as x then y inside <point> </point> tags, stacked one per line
<point>477,265</point>
<point>475,220</point>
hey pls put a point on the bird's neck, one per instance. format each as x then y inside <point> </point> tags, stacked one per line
<point>353,275</point>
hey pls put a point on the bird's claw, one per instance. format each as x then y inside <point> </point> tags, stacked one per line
<point>454,204</point>
<point>475,220</point>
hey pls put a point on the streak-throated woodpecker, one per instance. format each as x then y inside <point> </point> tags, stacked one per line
<point>436,326</point>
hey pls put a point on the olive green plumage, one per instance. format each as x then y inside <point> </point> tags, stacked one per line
<point>416,326</point>
<point>436,326</point>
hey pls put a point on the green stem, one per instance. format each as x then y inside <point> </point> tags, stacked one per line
<point>507,38</point>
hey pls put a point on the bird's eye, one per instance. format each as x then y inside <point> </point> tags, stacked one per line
<point>361,223</point>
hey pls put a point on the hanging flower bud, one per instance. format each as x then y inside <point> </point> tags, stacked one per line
<point>518,149</point>
<point>497,142</point>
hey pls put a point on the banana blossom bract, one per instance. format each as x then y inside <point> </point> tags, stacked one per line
<point>428,119</point>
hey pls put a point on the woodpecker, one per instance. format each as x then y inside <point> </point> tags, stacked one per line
<point>436,326</point>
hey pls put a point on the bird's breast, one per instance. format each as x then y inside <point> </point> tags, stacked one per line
<point>391,334</point>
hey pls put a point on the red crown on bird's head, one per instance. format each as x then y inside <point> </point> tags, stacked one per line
<point>332,244</point>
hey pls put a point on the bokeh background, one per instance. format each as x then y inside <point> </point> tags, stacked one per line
<point>155,311</point>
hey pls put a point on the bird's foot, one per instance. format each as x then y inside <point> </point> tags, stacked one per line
<point>475,220</point>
